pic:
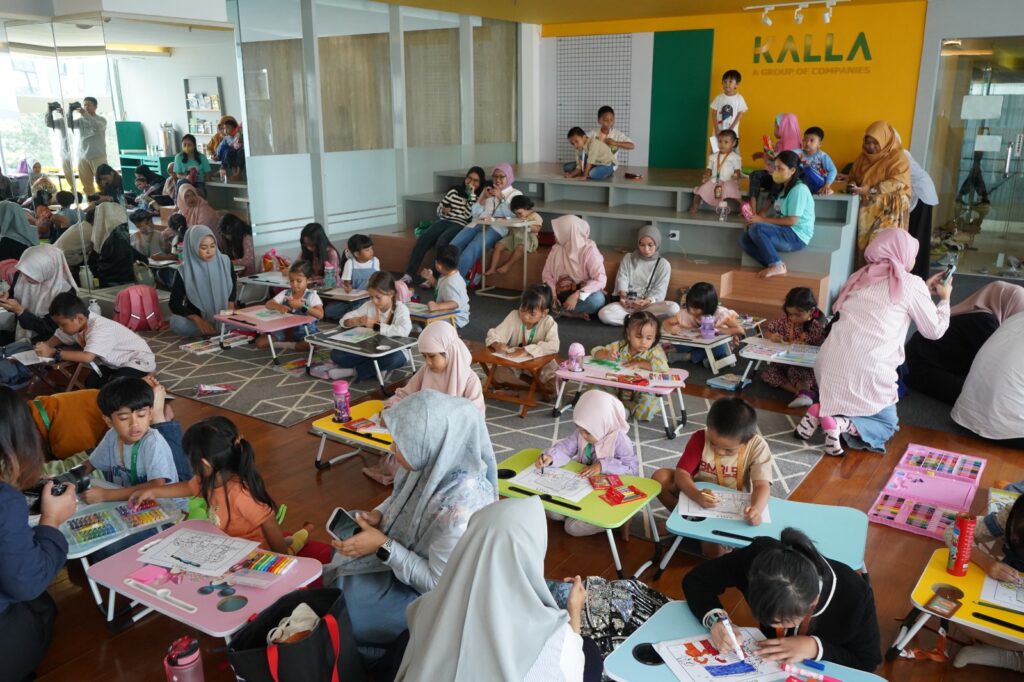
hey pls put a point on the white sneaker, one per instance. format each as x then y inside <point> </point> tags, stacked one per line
<point>801,400</point>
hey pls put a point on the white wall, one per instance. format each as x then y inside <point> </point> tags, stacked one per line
<point>196,10</point>
<point>153,88</point>
<point>641,65</point>
<point>955,19</point>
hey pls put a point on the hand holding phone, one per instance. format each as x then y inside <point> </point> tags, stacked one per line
<point>341,526</point>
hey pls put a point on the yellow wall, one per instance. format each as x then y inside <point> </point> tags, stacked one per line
<point>840,96</point>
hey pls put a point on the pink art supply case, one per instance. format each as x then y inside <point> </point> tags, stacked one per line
<point>926,491</point>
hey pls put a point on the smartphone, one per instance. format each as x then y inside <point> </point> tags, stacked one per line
<point>341,525</point>
<point>948,274</point>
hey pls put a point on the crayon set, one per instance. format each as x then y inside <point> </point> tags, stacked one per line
<point>93,526</point>
<point>927,490</point>
<point>260,569</point>
<point>623,494</point>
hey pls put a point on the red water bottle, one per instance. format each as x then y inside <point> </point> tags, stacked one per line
<point>184,661</point>
<point>963,543</point>
<point>341,407</point>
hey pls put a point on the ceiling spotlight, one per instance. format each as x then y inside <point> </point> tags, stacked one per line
<point>798,15</point>
<point>765,19</point>
<point>827,16</point>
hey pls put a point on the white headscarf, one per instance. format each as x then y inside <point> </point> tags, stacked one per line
<point>46,267</point>
<point>491,613</point>
<point>107,218</point>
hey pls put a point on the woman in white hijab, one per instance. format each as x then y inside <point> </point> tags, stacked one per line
<point>492,616</point>
<point>42,274</point>
<point>447,473</point>
<point>642,281</point>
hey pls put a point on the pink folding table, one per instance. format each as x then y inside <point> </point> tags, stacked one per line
<point>262,320</point>
<point>182,601</point>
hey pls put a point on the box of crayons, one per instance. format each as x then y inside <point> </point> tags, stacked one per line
<point>108,523</point>
<point>623,494</point>
<point>926,491</point>
<point>604,481</point>
<point>261,568</point>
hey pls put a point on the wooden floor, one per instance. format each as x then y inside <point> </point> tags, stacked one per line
<point>84,649</point>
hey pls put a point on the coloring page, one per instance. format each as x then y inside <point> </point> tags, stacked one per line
<point>695,659</point>
<point>205,553</point>
<point>731,504</point>
<point>1010,595</point>
<point>562,483</point>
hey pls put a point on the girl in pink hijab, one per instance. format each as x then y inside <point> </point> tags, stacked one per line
<point>787,138</point>
<point>601,443</point>
<point>447,367</point>
<point>574,269</point>
<point>856,367</point>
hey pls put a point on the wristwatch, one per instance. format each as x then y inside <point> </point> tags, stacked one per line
<point>56,355</point>
<point>384,551</point>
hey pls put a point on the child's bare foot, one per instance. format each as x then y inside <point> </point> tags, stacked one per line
<point>694,206</point>
<point>160,407</point>
<point>773,271</point>
<point>491,270</point>
<point>503,269</point>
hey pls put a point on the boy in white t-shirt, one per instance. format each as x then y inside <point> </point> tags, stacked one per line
<point>729,106</point>
<point>297,299</point>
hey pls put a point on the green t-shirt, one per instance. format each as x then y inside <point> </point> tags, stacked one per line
<point>800,203</point>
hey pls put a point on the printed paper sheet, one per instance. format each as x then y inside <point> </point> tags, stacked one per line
<point>562,483</point>
<point>695,659</point>
<point>205,553</point>
<point>731,504</point>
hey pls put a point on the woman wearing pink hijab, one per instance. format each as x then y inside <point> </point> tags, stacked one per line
<point>493,202</point>
<point>939,368</point>
<point>601,443</point>
<point>574,269</point>
<point>787,138</point>
<point>197,210</point>
<point>856,367</point>
<point>447,367</point>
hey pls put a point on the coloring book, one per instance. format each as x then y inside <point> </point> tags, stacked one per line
<point>695,659</point>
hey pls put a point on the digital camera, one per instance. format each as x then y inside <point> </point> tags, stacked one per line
<point>77,477</point>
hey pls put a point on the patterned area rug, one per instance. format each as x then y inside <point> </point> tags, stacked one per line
<point>794,458</point>
<point>265,391</point>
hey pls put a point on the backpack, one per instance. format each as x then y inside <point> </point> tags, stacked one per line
<point>138,308</point>
<point>402,292</point>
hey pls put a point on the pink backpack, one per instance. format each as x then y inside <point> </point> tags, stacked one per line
<point>138,308</point>
<point>402,292</point>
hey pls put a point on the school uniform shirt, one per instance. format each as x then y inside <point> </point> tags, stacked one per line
<point>798,202</point>
<point>154,460</point>
<point>541,339</point>
<point>233,510</point>
<point>844,623</point>
<point>727,108</point>
<point>460,211</point>
<point>622,462</point>
<point>32,556</point>
<point>819,164</point>
<point>700,462</point>
<point>596,153</point>
<point>113,344</point>
<point>614,135</point>
<point>362,270</point>
<point>399,323</point>
<point>856,367</point>
<point>453,288</point>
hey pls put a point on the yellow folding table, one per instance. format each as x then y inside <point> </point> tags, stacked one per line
<point>328,429</point>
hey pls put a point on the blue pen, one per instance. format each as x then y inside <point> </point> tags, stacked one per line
<point>814,664</point>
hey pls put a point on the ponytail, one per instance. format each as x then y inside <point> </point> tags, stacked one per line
<point>785,580</point>
<point>217,440</point>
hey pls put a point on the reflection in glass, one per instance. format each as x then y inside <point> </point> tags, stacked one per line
<point>495,55</point>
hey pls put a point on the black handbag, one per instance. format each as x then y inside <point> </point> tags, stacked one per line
<point>329,653</point>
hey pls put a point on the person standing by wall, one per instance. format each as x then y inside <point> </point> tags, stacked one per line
<point>92,142</point>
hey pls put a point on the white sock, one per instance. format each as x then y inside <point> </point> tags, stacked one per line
<point>341,373</point>
<point>983,654</point>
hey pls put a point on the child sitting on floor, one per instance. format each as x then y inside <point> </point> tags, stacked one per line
<point>450,290</point>
<point>361,263</point>
<point>639,348</point>
<point>384,314</point>
<point>528,332</point>
<point>702,300</point>
<point>594,159</point>
<point>516,241</point>
<point>802,323</point>
<point>116,349</point>
<point>447,367</point>
<point>298,299</point>
<point>601,443</point>
<point>728,451</point>
<point>237,499</point>
<point>721,178</point>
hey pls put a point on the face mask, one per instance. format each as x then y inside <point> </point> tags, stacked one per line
<point>779,177</point>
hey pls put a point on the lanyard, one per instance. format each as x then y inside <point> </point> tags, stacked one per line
<point>588,454</point>
<point>133,475</point>
<point>533,332</point>
<point>718,167</point>
<point>741,459</point>
<point>42,414</point>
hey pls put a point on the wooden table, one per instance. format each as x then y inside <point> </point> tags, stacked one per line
<point>491,361</point>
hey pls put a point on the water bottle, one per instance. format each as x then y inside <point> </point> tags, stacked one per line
<point>707,326</point>
<point>329,281</point>
<point>184,661</point>
<point>341,407</point>
<point>723,211</point>
<point>94,307</point>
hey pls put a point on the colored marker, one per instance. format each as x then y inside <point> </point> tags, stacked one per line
<point>185,561</point>
<point>809,674</point>
<point>732,637</point>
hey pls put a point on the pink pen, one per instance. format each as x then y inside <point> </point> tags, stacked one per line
<point>809,674</point>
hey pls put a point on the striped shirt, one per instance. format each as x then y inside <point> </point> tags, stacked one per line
<point>113,344</point>
<point>459,209</point>
<point>856,367</point>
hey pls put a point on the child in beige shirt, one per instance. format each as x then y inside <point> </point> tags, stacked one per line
<point>527,332</point>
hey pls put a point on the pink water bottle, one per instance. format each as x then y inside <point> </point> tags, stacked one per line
<point>707,326</point>
<point>576,354</point>
<point>184,661</point>
<point>341,407</point>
